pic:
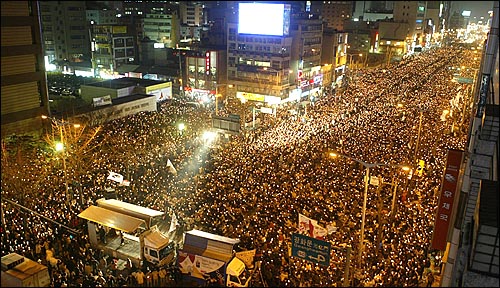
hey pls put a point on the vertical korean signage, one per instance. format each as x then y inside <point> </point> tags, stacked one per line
<point>445,204</point>
<point>207,62</point>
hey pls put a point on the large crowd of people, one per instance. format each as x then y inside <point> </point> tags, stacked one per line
<point>254,186</point>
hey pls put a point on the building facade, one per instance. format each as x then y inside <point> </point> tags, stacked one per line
<point>112,47</point>
<point>192,13</point>
<point>334,13</point>
<point>65,31</point>
<point>307,35</point>
<point>102,17</point>
<point>24,85</point>
<point>259,65</point>
<point>161,27</point>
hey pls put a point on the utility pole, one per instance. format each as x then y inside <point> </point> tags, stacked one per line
<point>418,136</point>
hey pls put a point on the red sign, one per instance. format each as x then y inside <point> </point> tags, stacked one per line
<point>207,62</point>
<point>448,191</point>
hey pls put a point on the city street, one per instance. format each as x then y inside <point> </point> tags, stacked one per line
<point>254,187</point>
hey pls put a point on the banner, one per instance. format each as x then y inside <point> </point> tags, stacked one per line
<point>445,205</point>
<point>310,227</point>
<point>247,257</point>
<point>198,266</point>
<point>115,177</point>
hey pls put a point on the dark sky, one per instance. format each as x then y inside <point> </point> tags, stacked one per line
<point>477,8</point>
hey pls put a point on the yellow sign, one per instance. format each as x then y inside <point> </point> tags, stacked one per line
<point>119,29</point>
<point>158,86</point>
<point>420,167</point>
<point>250,96</point>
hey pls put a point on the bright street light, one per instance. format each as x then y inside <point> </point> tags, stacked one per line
<point>209,136</point>
<point>181,127</point>
<point>60,146</point>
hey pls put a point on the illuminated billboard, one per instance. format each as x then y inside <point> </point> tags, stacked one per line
<point>264,19</point>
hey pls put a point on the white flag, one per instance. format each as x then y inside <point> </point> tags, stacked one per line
<point>171,167</point>
<point>173,223</point>
<point>115,177</point>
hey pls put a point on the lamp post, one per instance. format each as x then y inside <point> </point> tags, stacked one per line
<point>367,166</point>
<point>350,58</point>
<point>60,147</point>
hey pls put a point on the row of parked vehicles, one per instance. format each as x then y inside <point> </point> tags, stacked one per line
<point>135,234</point>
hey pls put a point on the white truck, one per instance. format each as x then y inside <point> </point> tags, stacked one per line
<point>210,257</point>
<point>19,271</point>
<point>125,237</point>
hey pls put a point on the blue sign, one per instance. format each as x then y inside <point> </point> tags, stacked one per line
<point>311,249</point>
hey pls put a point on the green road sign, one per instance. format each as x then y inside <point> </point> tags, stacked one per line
<point>311,249</point>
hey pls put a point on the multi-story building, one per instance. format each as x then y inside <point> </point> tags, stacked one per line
<point>102,17</point>
<point>65,31</point>
<point>413,13</point>
<point>112,47</point>
<point>333,55</point>
<point>191,13</point>
<point>24,85</point>
<point>205,73</point>
<point>373,10</point>
<point>335,13</point>
<point>307,35</point>
<point>160,27</point>
<point>215,33</point>
<point>259,66</point>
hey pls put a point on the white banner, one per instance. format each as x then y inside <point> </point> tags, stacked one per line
<point>115,177</point>
<point>310,227</point>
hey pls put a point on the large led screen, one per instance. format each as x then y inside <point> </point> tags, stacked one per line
<point>263,19</point>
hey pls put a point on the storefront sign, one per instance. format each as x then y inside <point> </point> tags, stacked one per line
<point>445,206</point>
<point>250,96</point>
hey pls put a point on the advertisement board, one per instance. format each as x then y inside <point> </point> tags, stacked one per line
<point>101,101</point>
<point>162,91</point>
<point>200,267</point>
<point>446,199</point>
<point>250,96</point>
<point>264,19</point>
<point>119,29</point>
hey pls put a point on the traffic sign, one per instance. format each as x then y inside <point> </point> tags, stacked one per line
<point>311,249</point>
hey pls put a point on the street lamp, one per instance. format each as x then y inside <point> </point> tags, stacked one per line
<point>365,195</point>
<point>60,146</point>
<point>350,58</point>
